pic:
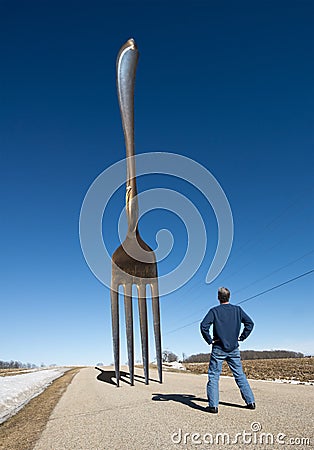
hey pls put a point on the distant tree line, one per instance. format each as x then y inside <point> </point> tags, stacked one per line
<point>270,354</point>
<point>198,357</point>
<point>16,365</point>
<point>249,354</point>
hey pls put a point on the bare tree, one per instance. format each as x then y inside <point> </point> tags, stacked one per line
<point>168,356</point>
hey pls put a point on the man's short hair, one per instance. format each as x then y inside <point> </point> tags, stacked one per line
<point>223,294</point>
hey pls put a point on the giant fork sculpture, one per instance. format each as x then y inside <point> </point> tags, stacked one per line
<point>134,262</point>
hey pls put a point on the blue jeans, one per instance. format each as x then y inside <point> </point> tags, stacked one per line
<point>233,359</point>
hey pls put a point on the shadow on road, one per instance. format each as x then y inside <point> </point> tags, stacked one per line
<point>108,375</point>
<point>234,405</point>
<point>185,399</point>
<point>189,399</point>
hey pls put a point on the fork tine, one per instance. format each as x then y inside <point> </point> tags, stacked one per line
<point>157,333</point>
<point>143,326</point>
<point>129,329</point>
<point>114,295</point>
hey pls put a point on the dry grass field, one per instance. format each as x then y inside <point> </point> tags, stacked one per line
<point>11,372</point>
<point>299,369</point>
<point>22,370</point>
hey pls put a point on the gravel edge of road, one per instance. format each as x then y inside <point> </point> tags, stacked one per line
<point>23,430</point>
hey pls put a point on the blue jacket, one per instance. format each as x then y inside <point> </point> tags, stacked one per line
<point>226,319</point>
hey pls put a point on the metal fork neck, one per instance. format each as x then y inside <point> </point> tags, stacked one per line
<point>126,70</point>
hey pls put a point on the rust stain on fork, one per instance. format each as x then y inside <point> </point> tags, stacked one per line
<point>134,262</point>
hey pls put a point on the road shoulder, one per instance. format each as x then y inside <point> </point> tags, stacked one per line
<point>24,429</point>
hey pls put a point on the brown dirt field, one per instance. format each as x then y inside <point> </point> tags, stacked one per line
<point>301,369</point>
<point>21,431</point>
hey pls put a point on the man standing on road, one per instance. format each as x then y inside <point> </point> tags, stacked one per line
<point>226,320</point>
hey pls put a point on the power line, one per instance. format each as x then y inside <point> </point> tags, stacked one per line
<point>268,275</point>
<point>196,281</point>
<point>275,271</point>
<point>250,298</point>
<point>276,287</point>
<point>269,225</point>
<point>240,269</point>
<point>184,326</point>
<point>254,282</point>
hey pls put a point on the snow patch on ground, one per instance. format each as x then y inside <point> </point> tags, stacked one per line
<point>174,365</point>
<point>294,381</point>
<point>17,390</point>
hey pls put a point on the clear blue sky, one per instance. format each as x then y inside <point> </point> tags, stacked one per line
<point>228,84</point>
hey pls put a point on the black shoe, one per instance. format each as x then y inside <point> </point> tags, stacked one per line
<point>212,409</point>
<point>251,406</point>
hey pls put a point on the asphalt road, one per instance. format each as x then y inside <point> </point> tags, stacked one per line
<point>94,414</point>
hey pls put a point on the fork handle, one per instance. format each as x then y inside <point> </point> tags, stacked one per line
<point>126,69</point>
